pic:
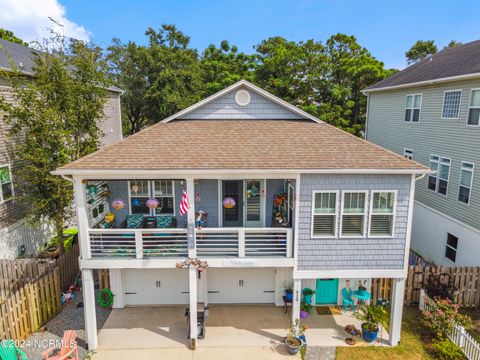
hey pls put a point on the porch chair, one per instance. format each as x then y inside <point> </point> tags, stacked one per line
<point>347,299</point>
<point>68,350</point>
<point>8,351</point>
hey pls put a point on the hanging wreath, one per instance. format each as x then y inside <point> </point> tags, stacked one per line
<point>105,298</point>
<point>200,265</point>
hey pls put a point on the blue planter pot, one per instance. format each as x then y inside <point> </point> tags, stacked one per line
<point>369,336</point>
<point>307,299</point>
<point>289,296</point>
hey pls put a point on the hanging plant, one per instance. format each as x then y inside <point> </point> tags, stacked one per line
<point>152,203</point>
<point>118,204</point>
<point>229,203</point>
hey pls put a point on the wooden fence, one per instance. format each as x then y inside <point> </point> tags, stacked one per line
<point>464,281</point>
<point>30,292</point>
<point>103,279</point>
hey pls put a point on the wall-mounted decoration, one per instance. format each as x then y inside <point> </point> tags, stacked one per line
<point>91,190</point>
<point>118,204</point>
<point>197,197</point>
<point>152,203</point>
<point>134,188</point>
<point>229,203</point>
<point>109,217</point>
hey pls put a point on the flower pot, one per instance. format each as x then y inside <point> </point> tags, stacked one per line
<point>369,335</point>
<point>303,314</point>
<point>294,346</point>
<point>289,296</point>
<point>307,299</point>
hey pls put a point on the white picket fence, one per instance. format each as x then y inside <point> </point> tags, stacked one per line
<point>459,336</point>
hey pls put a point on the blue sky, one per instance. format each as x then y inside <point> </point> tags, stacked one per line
<point>386,28</point>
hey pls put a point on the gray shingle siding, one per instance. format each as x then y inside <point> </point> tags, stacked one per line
<point>354,253</point>
<point>449,138</point>
<point>225,107</point>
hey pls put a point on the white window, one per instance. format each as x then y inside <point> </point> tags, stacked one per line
<point>413,105</point>
<point>408,153</point>
<point>6,188</point>
<point>451,104</point>
<point>438,181</point>
<point>324,214</point>
<point>163,192</point>
<point>353,214</point>
<point>139,194</point>
<point>474,108</point>
<point>451,247</point>
<point>465,184</point>
<point>382,213</point>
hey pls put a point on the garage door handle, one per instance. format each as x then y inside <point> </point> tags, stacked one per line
<point>185,292</point>
<point>214,292</point>
<point>130,293</point>
<point>268,291</point>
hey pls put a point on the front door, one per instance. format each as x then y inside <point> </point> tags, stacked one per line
<point>326,292</point>
<point>232,211</point>
<point>254,203</point>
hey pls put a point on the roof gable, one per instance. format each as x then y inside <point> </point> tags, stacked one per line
<point>223,106</point>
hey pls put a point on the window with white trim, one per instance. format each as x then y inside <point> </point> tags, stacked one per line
<point>163,192</point>
<point>451,104</point>
<point>6,183</point>
<point>382,214</point>
<point>353,214</point>
<point>438,181</point>
<point>139,194</point>
<point>474,108</point>
<point>408,153</point>
<point>324,221</point>
<point>451,247</point>
<point>413,105</point>
<point>142,190</point>
<point>465,184</point>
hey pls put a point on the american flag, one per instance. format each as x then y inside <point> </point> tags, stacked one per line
<point>184,204</point>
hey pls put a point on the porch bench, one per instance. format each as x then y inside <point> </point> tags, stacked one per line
<point>149,222</point>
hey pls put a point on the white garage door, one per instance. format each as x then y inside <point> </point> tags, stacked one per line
<point>155,286</point>
<point>241,286</point>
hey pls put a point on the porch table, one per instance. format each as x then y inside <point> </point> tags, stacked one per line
<point>362,296</point>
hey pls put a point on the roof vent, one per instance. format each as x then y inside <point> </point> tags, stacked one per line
<point>242,97</point>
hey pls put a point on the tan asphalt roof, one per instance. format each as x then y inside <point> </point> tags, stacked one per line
<point>242,144</point>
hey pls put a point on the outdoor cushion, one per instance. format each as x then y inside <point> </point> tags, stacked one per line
<point>164,222</point>
<point>134,221</point>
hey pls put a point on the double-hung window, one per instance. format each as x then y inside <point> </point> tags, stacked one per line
<point>142,190</point>
<point>465,184</point>
<point>324,222</point>
<point>438,181</point>
<point>474,108</point>
<point>6,184</point>
<point>382,213</point>
<point>451,247</point>
<point>353,214</point>
<point>451,104</point>
<point>412,107</point>
<point>139,194</point>
<point>163,192</point>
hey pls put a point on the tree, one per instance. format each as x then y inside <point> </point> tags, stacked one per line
<point>421,50</point>
<point>9,36</point>
<point>453,43</point>
<point>128,68</point>
<point>224,66</point>
<point>173,73</point>
<point>54,122</point>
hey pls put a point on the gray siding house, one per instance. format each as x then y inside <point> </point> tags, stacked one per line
<point>275,196</point>
<point>429,112</point>
<point>16,237</point>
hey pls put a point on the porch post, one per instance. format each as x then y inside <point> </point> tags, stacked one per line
<point>192,272</point>
<point>116,285</point>
<point>89,308</point>
<point>297,290</point>
<point>82,219</point>
<point>396,310</point>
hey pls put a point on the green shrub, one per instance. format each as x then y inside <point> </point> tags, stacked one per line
<point>447,350</point>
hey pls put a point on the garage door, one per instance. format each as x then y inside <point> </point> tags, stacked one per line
<point>156,287</point>
<point>241,286</point>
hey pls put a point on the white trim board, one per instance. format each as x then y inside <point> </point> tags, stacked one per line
<point>326,274</point>
<point>251,87</point>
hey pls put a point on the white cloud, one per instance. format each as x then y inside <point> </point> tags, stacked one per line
<point>29,19</point>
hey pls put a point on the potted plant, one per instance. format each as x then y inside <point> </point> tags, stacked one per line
<point>305,310</point>
<point>307,295</point>
<point>292,340</point>
<point>372,316</point>
<point>289,292</point>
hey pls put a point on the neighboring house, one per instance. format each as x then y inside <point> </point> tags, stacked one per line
<point>245,158</point>
<point>16,237</point>
<point>430,112</point>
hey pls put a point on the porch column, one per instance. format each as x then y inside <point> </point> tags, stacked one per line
<point>116,285</point>
<point>297,290</point>
<point>396,310</point>
<point>82,219</point>
<point>89,308</point>
<point>192,277</point>
<point>192,253</point>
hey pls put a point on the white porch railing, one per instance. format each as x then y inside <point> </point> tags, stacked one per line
<point>459,336</point>
<point>244,242</point>
<point>210,242</point>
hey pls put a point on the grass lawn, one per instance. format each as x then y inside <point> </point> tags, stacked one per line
<point>411,346</point>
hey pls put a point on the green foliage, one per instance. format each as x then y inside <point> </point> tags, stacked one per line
<point>421,50</point>
<point>54,122</point>
<point>442,315</point>
<point>453,43</point>
<point>10,36</point>
<point>446,350</point>
<point>306,307</point>
<point>372,316</point>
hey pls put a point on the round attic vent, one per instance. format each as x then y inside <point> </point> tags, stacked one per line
<point>242,97</point>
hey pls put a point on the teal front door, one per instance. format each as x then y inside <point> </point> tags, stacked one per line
<point>327,291</point>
